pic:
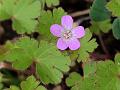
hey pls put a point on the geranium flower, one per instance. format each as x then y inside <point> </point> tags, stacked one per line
<point>68,35</point>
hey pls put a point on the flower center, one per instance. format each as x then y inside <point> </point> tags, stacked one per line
<point>67,34</point>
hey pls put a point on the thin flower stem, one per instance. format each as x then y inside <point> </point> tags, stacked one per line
<point>103,45</point>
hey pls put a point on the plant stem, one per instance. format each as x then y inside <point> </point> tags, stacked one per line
<point>103,45</point>
<point>80,13</point>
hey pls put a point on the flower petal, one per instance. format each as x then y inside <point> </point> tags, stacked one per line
<point>56,30</point>
<point>74,44</point>
<point>67,22</point>
<point>78,32</point>
<point>61,44</point>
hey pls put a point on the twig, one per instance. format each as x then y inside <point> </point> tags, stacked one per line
<point>5,65</point>
<point>80,13</point>
<point>79,21</point>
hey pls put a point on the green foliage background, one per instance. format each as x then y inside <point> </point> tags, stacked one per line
<point>51,64</point>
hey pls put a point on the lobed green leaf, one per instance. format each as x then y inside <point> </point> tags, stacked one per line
<point>98,11</point>
<point>22,13</point>
<point>29,84</point>
<point>105,77</point>
<point>102,26</point>
<point>50,63</point>
<point>47,19</point>
<point>88,45</point>
<point>114,6</point>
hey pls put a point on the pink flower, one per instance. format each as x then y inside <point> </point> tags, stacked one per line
<point>68,36</point>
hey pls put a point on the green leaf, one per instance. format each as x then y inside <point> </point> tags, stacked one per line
<point>52,2</point>
<point>102,26</point>
<point>49,3</point>
<point>29,84</point>
<point>48,18</point>
<point>22,13</point>
<point>6,9</point>
<point>117,61</point>
<point>117,58</point>
<point>41,88</point>
<point>105,77</point>
<point>73,79</point>
<point>114,6</point>
<point>116,28</point>
<point>98,10</point>
<point>78,83</point>
<point>4,49</point>
<point>87,82</point>
<point>13,88</point>
<point>24,18</point>
<point>51,64</point>
<point>88,45</point>
<point>89,68</point>
<point>22,53</point>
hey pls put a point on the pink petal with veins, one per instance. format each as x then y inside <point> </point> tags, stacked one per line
<point>67,22</point>
<point>56,30</point>
<point>61,44</point>
<point>78,32</point>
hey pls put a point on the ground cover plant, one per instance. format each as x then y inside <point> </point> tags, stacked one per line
<point>44,45</point>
